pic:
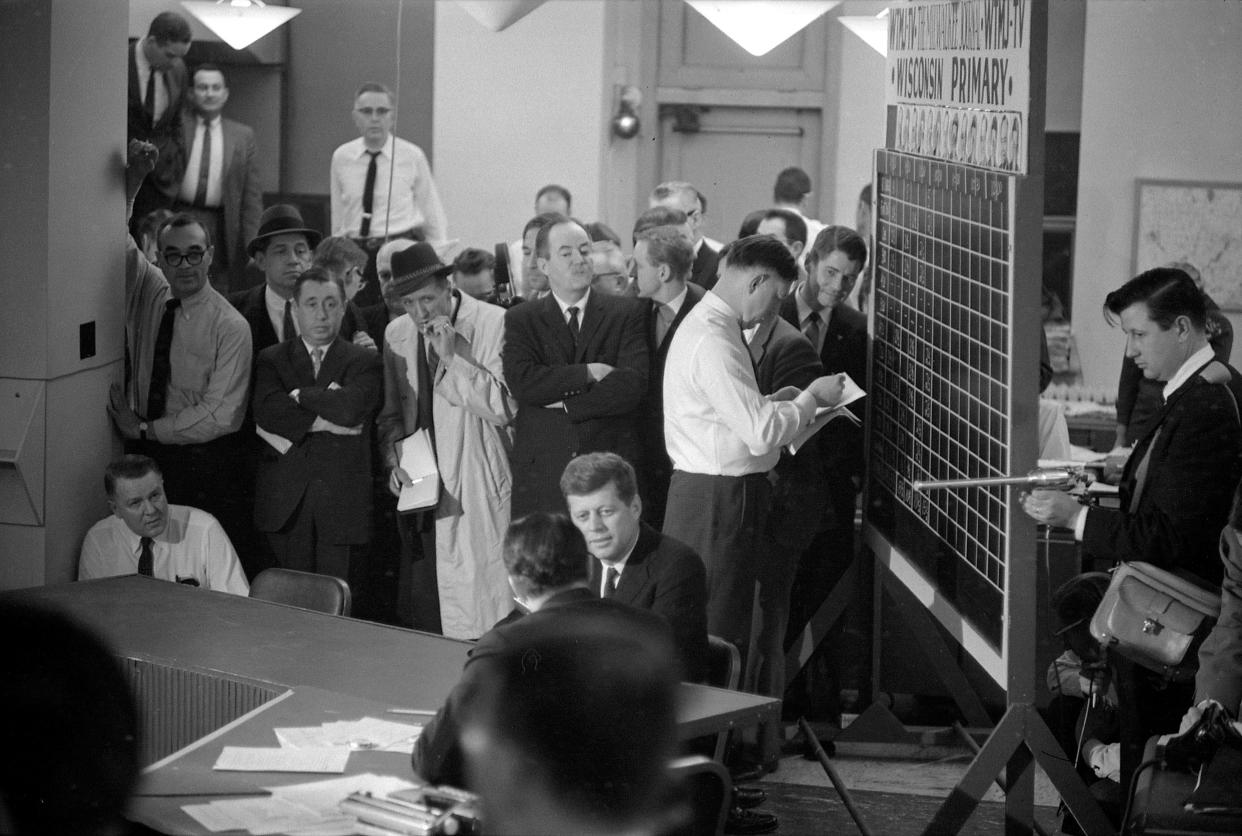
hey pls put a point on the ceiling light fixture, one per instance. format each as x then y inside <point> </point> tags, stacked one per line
<point>759,26</point>
<point>873,30</point>
<point>239,23</point>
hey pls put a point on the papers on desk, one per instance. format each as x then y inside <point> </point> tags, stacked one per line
<point>310,809</point>
<point>418,460</point>
<point>850,392</point>
<point>369,733</point>
<point>282,759</point>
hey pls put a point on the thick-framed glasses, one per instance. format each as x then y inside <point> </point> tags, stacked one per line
<point>176,259</point>
<point>374,111</point>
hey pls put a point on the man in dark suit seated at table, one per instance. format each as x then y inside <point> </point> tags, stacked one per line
<point>634,563</point>
<point>576,362</point>
<point>547,561</point>
<point>571,727</point>
<point>315,398</point>
<point>1177,485</point>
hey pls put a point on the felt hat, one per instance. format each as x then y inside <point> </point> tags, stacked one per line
<point>277,220</point>
<point>415,266</point>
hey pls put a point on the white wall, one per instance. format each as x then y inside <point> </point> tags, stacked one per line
<point>857,72</point>
<point>1160,100</point>
<point>515,110</point>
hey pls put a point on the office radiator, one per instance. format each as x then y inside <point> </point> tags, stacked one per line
<point>178,705</point>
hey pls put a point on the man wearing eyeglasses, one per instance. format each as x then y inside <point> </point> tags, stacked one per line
<point>686,198</point>
<point>188,367</point>
<point>723,436</point>
<point>375,200</point>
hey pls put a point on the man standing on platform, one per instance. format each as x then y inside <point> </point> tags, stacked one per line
<point>157,92</point>
<point>221,184</point>
<point>723,436</point>
<point>443,374</point>
<point>662,259</point>
<point>314,401</point>
<point>147,536</point>
<point>188,366</point>
<point>381,186</point>
<point>686,198</point>
<point>576,362</point>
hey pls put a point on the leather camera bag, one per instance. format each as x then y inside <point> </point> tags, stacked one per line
<point>1155,618</point>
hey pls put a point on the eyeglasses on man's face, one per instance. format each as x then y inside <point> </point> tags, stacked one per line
<point>374,111</point>
<point>175,258</point>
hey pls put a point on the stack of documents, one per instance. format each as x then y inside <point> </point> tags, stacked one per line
<point>300,809</point>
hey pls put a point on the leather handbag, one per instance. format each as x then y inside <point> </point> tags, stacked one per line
<point>1155,618</point>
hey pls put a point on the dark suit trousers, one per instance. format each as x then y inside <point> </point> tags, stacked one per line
<point>299,545</point>
<point>418,591</point>
<point>723,518</point>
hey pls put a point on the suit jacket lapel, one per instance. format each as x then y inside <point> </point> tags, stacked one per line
<point>637,568</point>
<point>591,318</point>
<point>333,362</point>
<point>230,144</point>
<point>694,295</point>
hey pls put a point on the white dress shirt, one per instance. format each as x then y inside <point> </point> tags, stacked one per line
<point>192,547</point>
<point>215,165</point>
<point>580,305</point>
<point>415,201</point>
<point>715,420</point>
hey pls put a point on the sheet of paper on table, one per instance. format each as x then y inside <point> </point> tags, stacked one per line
<point>280,759</point>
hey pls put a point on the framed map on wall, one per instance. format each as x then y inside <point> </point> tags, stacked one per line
<point>1196,222</point>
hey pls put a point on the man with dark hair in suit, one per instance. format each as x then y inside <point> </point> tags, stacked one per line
<point>314,401</point>
<point>1177,484</point>
<point>634,563</point>
<point>576,362</point>
<point>686,198</point>
<point>546,560</point>
<point>157,92</point>
<point>221,183</point>
<point>661,264</point>
<point>786,226</point>
<point>838,332</point>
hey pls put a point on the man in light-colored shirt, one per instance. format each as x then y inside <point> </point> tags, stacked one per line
<point>363,206</point>
<point>790,192</point>
<point>188,372</point>
<point>221,185</point>
<point>147,536</point>
<point>723,436</point>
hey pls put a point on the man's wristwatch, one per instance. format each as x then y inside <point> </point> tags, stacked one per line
<point>143,426</point>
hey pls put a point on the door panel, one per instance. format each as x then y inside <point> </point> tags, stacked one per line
<point>734,156</point>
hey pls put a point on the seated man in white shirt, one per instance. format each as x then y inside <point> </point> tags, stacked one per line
<point>147,536</point>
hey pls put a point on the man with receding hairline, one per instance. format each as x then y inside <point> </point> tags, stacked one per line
<point>576,362</point>
<point>685,197</point>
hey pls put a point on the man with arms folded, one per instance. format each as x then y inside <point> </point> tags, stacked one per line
<point>634,563</point>
<point>576,361</point>
<point>442,373</point>
<point>314,400</point>
<point>147,536</point>
<point>723,436</point>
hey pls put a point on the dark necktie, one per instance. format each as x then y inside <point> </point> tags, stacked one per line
<point>204,167</point>
<point>149,102</point>
<point>287,331</point>
<point>425,383</point>
<point>610,582</point>
<point>368,196</point>
<point>146,557</point>
<point>573,323</point>
<point>161,363</point>
<point>812,329</point>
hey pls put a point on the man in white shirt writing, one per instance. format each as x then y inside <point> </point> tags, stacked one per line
<point>722,435</point>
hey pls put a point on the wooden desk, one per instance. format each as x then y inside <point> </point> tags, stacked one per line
<point>255,649</point>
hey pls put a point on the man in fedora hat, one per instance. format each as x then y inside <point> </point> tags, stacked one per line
<point>282,249</point>
<point>314,400</point>
<point>442,373</point>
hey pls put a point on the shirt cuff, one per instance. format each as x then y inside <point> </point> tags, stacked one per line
<point>1080,524</point>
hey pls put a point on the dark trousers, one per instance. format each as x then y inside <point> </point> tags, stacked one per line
<point>302,546</point>
<point>418,591</point>
<point>370,292</point>
<point>722,518</point>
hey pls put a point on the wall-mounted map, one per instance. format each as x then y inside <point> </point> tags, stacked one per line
<point>1199,223</point>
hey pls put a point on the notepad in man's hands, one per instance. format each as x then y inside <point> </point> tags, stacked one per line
<point>850,392</point>
<point>418,460</point>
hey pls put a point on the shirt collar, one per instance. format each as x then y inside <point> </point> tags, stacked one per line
<point>565,306</point>
<point>385,151</point>
<point>619,565</point>
<point>140,58</point>
<point>719,305</point>
<point>1193,363</point>
<point>274,300</point>
<point>677,301</point>
<point>310,349</point>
